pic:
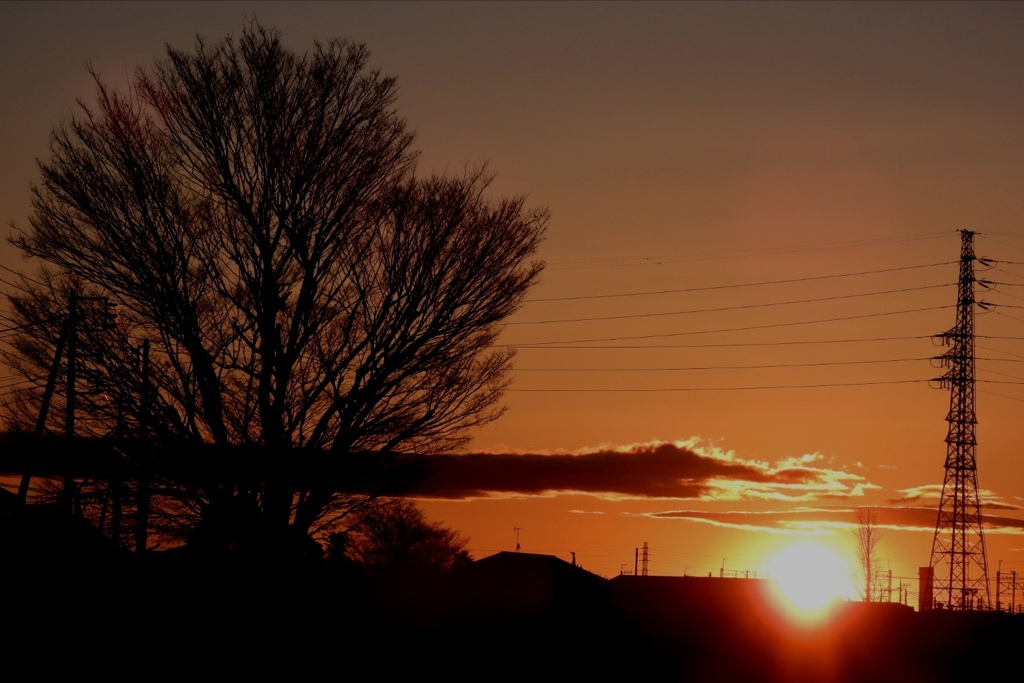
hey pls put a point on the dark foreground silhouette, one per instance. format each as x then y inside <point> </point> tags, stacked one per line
<point>75,607</point>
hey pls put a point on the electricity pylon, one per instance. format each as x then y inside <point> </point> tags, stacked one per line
<point>959,562</point>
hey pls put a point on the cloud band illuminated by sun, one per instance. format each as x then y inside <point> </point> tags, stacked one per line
<point>656,470</point>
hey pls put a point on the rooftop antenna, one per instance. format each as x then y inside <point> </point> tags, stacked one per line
<point>517,530</point>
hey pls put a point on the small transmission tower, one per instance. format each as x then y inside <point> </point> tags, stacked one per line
<point>959,562</point>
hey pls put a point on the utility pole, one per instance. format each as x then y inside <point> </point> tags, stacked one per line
<point>517,530</point>
<point>66,348</point>
<point>142,492</point>
<point>958,560</point>
<point>44,407</point>
<point>67,493</point>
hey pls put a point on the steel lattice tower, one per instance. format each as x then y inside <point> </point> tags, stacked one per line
<point>958,559</point>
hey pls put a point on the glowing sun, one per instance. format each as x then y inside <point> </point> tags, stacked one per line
<point>809,579</point>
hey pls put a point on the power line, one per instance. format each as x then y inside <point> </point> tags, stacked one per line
<point>1005,315</point>
<point>22,275</point>
<point>14,286</point>
<point>14,382</point>
<point>740,253</point>
<point>733,367</point>
<point>994,350</point>
<point>28,325</point>
<point>744,388</point>
<point>734,329</point>
<point>1005,374</point>
<point>795,342</point>
<point>1006,272</point>
<point>711,288</point>
<point>729,308</point>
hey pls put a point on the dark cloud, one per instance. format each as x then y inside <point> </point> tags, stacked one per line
<point>917,494</point>
<point>652,470</point>
<point>812,520</point>
<point>931,493</point>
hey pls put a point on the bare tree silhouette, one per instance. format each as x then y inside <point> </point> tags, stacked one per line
<point>868,535</point>
<point>315,310</point>
<point>392,537</point>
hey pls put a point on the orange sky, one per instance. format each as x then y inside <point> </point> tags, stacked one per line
<point>744,197</point>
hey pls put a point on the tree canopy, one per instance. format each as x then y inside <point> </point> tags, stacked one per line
<point>393,538</point>
<point>310,306</point>
<point>868,535</point>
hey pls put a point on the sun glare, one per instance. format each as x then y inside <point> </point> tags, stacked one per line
<point>809,578</point>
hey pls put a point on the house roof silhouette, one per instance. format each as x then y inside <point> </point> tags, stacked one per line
<point>518,584</point>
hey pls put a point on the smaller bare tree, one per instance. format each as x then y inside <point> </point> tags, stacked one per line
<point>392,537</point>
<point>868,534</point>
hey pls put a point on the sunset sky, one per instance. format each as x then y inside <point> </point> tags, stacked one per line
<point>755,216</point>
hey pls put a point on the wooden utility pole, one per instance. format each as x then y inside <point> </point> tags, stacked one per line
<point>142,494</point>
<point>44,408</point>
<point>67,494</point>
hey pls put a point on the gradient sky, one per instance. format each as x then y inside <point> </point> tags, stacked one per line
<point>754,235</point>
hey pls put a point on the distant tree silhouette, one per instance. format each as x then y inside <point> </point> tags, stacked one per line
<point>392,537</point>
<point>316,312</point>
<point>868,534</point>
